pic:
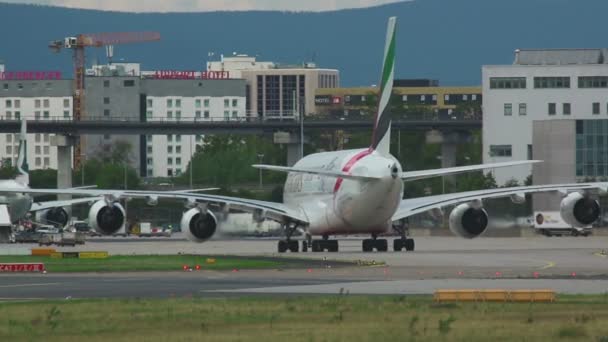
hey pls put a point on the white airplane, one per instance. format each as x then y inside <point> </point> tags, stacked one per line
<point>344,192</point>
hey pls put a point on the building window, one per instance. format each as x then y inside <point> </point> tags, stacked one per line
<point>235,102</point>
<point>150,173</point>
<point>37,137</point>
<point>178,172</point>
<point>106,83</point>
<point>9,104</point>
<point>149,149</point>
<point>149,103</point>
<point>46,137</point>
<point>235,114</point>
<point>551,109</point>
<point>206,114</point>
<point>593,82</point>
<point>36,103</point>
<point>5,86</point>
<point>508,109</point>
<point>169,161</point>
<point>422,98</point>
<point>45,114</point>
<point>149,160</point>
<point>66,114</point>
<point>403,98</point>
<point>106,100</point>
<point>19,86</point>
<point>199,138</point>
<point>178,138</point>
<point>46,149</point>
<point>206,103</point>
<point>500,151</point>
<point>178,149</point>
<point>149,114</point>
<point>37,150</point>
<point>169,172</point>
<point>197,114</point>
<point>507,82</point>
<point>474,97</point>
<point>9,149</point>
<point>178,114</point>
<point>129,83</point>
<point>18,115</point>
<point>523,109</point>
<point>197,103</point>
<point>552,82</point>
<point>170,149</point>
<point>47,161</point>
<point>566,108</point>
<point>596,108</point>
<point>169,103</point>
<point>66,103</point>
<point>169,137</point>
<point>9,138</point>
<point>149,138</point>
<point>106,112</point>
<point>38,161</point>
<point>465,97</point>
<point>178,103</point>
<point>46,103</point>
<point>226,103</point>
<point>226,114</point>
<point>178,161</point>
<point>9,115</point>
<point>17,103</point>
<point>170,114</point>
<point>446,97</point>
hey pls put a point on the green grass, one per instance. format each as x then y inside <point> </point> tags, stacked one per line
<point>312,318</point>
<point>121,263</point>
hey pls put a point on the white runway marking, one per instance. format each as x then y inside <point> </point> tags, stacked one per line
<point>32,284</point>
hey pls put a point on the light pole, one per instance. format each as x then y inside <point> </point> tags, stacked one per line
<point>84,159</point>
<point>191,161</point>
<point>440,158</point>
<point>261,157</point>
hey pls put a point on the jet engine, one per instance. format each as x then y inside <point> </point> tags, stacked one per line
<point>106,219</point>
<point>199,225</point>
<point>55,216</point>
<point>467,221</point>
<point>579,210</point>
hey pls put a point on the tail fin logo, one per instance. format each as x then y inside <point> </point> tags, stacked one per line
<point>382,126</point>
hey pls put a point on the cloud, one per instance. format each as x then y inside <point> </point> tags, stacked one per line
<point>209,5</point>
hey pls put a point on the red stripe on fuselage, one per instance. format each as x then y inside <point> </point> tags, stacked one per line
<point>349,165</point>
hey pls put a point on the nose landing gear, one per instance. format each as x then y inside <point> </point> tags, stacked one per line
<point>288,244</point>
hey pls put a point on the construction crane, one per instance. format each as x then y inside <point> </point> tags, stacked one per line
<point>78,44</point>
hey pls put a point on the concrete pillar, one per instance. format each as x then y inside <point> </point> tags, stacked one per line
<point>449,142</point>
<point>64,162</point>
<point>293,145</point>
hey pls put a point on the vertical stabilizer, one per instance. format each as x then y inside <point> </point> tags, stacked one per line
<point>22,166</point>
<point>381,138</point>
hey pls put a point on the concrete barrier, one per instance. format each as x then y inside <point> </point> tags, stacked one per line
<point>15,251</point>
<point>494,295</point>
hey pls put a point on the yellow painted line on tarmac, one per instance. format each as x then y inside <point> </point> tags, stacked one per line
<point>548,264</point>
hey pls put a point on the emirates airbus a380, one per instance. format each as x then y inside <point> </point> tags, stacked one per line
<point>345,192</point>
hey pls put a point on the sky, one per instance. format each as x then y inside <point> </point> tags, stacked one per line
<point>208,5</point>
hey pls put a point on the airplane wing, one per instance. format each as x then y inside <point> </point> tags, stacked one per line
<point>37,206</point>
<point>270,210</point>
<point>413,206</point>
<point>422,174</point>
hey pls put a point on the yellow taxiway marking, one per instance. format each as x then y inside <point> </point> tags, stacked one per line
<point>34,284</point>
<point>601,254</point>
<point>548,264</point>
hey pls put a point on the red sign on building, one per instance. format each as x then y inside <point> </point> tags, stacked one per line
<point>30,75</point>
<point>22,267</point>
<point>191,75</point>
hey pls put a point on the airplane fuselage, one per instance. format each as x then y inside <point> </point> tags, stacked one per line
<point>18,204</point>
<point>337,206</point>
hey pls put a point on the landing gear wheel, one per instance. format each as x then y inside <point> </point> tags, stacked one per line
<point>409,245</point>
<point>282,246</point>
<point>316,246</point>
<point>381,245</point>
<point>293,246</point>
<point>368,245</point>
<point>398,245</point>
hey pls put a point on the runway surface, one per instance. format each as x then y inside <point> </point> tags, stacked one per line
<point>567,265</point>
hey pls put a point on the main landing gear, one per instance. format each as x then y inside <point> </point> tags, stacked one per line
<point>381,245</point>
<point>401,227</point>
<point>325,245</point>
<point>288,244</point>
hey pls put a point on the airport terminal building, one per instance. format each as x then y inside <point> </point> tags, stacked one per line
<point>549,105</point>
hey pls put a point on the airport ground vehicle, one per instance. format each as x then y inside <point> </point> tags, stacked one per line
<point>550,223</point>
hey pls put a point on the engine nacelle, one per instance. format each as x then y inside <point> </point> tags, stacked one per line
<point>199,225</point>
<point>579,210</point>
<point>106,219</point>
<point>468,221</point>
<point>55,216</point>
